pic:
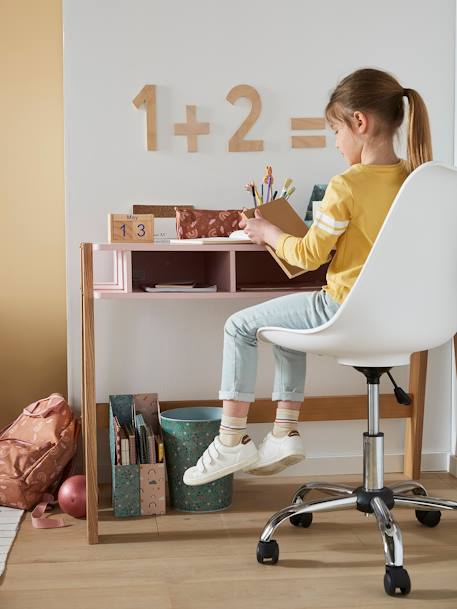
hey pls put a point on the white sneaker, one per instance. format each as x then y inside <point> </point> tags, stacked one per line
<point>275,454</point>
<point>219,460</point>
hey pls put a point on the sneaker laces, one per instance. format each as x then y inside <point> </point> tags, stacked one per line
<point>209,457</point>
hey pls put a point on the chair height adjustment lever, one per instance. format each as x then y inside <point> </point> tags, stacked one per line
<point>400,394</point>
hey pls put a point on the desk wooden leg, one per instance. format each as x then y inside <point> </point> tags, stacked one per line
<point>414,425</point>
<point>89,412</point>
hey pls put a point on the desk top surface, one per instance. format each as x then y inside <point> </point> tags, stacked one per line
<point>167,247</point>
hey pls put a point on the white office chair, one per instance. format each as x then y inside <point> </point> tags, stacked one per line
<point>391,312</point>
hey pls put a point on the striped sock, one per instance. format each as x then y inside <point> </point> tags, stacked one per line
<point>232,429</point>
<point>286,420</point>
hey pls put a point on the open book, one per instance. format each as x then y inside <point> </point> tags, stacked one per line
<point>238,236</point>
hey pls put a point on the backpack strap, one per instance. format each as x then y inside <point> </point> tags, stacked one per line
<point>52,403</point>
<point>39,521</point>
<point>48,500</point>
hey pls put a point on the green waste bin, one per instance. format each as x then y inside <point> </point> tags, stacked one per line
<point>187,433</point>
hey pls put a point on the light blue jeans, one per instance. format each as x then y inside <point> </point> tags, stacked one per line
<point>239,368</point>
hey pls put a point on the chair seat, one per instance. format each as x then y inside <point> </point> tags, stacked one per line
<point>325,340</point>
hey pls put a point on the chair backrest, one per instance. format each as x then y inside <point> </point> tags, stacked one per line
<point>405,298</point>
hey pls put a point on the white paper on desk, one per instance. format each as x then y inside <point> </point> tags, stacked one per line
<point>208,241</point>
<point>237,236</point>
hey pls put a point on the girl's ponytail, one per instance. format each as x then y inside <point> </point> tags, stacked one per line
<point>419,149</point>
<point>372,90</point>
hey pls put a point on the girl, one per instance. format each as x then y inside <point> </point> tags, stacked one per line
<point>365,111</point>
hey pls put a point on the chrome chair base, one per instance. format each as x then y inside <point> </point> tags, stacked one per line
<point>371,498</point>
<point>345,497</point>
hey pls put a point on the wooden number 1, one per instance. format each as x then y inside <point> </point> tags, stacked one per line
<point>236,142</point>
<point>147,96</point>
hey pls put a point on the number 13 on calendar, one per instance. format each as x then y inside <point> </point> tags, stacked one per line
<point>127,228</point>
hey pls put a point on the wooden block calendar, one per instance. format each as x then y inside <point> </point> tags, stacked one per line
<point>130,228</point>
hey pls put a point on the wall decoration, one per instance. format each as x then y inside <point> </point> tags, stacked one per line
<point>147,97</point>
<point>307,141</point>
<point>237,143</point>
<point>192,128</point>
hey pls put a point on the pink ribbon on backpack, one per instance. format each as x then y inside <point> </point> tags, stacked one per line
<point>39,521</point>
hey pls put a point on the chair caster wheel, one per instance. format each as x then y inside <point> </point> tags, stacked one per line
<point>267,551</point>
<point>396,577</point>
<point>430,518</point>
<point>302,520</point>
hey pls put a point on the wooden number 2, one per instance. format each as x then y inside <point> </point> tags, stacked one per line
<point>236,142</point>
<point>147,96</point>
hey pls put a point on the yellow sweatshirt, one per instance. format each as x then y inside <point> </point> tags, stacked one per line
<point>348,220</point>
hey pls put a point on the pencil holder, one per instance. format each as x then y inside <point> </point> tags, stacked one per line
<point>187,433</point>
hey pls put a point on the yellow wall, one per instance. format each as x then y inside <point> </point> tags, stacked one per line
<point>32,302</point>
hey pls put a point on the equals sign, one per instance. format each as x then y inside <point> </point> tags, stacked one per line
<point>308,124</point>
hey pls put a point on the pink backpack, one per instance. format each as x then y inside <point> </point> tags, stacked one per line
<point>34,451</point>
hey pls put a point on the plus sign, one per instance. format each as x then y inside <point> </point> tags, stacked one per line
<point>192,129</point>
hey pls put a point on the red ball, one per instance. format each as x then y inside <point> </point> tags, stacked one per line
<point>72,496</point>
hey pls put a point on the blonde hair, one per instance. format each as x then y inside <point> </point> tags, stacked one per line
<point>375,91</point>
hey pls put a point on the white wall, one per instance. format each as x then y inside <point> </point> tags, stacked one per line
<point>195,52</point>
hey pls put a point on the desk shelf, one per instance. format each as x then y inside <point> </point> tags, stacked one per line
<point>238,270</point>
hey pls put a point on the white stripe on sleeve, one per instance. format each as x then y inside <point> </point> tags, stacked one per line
<point>331,221</point>
<point>327,229</point>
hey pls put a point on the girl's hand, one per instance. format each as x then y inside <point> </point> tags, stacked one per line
<point>242,222</point>
<point>261,231</point>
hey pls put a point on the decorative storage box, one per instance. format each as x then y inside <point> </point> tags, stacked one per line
<point>138,489</point>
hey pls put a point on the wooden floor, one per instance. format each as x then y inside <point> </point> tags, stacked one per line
<point>207,561</point>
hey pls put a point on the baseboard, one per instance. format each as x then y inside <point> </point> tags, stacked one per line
<point>453,465</point>
<point>344,464</point>
<point>352,464</point>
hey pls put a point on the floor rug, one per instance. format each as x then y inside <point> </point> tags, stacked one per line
<point>10,519</point>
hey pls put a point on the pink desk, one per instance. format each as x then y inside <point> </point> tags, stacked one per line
<point>239,271</point>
